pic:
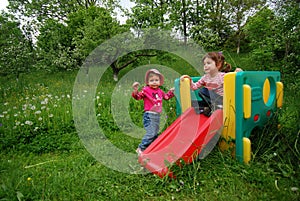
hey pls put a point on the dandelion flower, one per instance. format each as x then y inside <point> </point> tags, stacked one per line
<point>38,112</point>
<point>32,107</point>
<point>45,101</point>
<point>50,115</point>
<point>40,118</point>
<point>28,123</point>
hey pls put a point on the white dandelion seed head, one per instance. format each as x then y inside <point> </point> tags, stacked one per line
<point>28,122</point>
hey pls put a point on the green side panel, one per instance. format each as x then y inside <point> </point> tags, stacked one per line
<point>261,112</point>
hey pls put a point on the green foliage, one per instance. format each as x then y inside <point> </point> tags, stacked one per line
<point>16,53</point>
<point>149,14</point>
<point>206,38</point>
<point>65,46</point>
<point>54,45</point>
<point>258,27</point>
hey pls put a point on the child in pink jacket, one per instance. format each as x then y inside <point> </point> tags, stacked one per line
<point>152,96</point>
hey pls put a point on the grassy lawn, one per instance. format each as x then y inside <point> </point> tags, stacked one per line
<point>78,176</point>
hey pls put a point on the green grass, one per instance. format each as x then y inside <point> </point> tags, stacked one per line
<point>46,160</point>
<point>78,176</point>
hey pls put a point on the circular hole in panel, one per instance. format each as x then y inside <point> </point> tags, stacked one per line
<point>269,91</point>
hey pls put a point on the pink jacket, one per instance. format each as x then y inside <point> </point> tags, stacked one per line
<point>152,98</point>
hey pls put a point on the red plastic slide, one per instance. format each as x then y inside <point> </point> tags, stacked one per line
<point>184,139</point>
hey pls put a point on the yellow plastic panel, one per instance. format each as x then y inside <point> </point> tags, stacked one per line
<point>228,133</point>
<point>247,101</point>
<point>279,94</point>
<point>266,90</point>
<point>185,94</point>
<point>247,150</point>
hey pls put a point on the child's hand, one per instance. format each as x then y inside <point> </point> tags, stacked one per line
<point>135,86</point>
<point>185,76</point>
<point>172,89</point>
<point>238,70</point>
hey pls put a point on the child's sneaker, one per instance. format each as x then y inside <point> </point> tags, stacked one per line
<point>139,151</point>
<point>207,111</point>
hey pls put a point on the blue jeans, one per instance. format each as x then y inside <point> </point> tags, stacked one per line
<point>151,125</point>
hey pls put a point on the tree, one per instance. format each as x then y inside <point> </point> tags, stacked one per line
<point>16,53</point>
<point>65,46</point>
<point>288,37</point>
<point>260,31</point>
<point>149,14</point>
<point>54,47</point>
<point>240,11</point>
<point>213,25</point>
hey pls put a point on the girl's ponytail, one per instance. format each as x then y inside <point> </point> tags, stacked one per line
<point>226,67</point>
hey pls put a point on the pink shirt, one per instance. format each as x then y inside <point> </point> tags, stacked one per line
<point>211,83</point>
<point>152,98</point>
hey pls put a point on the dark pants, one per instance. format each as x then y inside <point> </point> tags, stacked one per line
<point>209,99</point>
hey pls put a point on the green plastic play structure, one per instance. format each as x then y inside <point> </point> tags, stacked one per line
<point>250,100</point>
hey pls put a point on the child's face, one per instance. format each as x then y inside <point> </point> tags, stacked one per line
<point>210,66</point>
<point>154,81</point>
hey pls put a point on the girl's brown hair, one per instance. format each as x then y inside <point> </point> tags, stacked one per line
<point>219,59</point>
